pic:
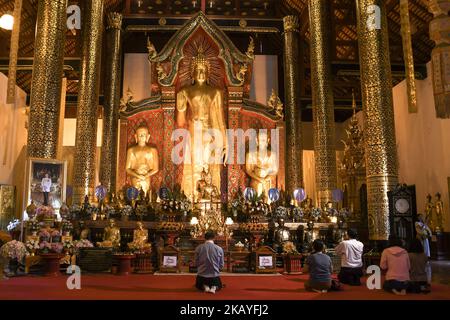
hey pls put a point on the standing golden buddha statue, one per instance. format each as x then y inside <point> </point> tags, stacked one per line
<point>142,160</point>
<point>261,165</point>
<point>439,207</point>
<point>200,108</point>
<point>429,206</point>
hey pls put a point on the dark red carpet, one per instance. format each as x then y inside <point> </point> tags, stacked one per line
<point>180,287</point>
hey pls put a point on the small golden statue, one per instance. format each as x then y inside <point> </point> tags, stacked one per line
<point>439,207</point>
<point>206,190</point>
<point>111,236</point>
<point>429,206</point>
<point>261,165</point>
<point>142,160</point>
<point>140,239</point>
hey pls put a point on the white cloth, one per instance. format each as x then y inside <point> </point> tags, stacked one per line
<point>423,234</point>
<point>351,253</point>
<point>46,184</point>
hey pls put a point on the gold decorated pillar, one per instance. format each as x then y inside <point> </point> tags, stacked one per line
<point>47,79</point>
<point>86,135</point>
<point>294,149</point>
<point>376,87</point>
<point>408,56</point>
<point>323,100</point>
<point>111,93</point>
<point>440,56</point>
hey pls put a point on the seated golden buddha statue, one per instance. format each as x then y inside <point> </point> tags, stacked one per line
<point>140,239</point>
<point>111,236</point>
<point>142,160</point>
<point>205,188</point>
<point>261,165</point>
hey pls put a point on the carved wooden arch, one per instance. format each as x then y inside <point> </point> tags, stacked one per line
<point>167,62</point>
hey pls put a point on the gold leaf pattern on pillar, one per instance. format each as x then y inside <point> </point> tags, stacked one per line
<point>376,82</point>
<point>47,79</point>
<point>323,100</point>
<point>111,92</point>
<point>294,149</point>
<point>86,135</point>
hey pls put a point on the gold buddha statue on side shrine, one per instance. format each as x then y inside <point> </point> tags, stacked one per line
<point>140,238</point>
<point>261,165</point>
<point>142,160</point>
<point>111,236</point>
<point>199,108</point>
<point>439,207</point>
<point>205,189</point>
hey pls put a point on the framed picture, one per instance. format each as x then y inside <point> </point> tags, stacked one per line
<point>170,261</point>
<point>46,182</point>
<point>265,262</point>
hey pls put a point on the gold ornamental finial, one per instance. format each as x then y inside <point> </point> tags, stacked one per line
<point>291,24</point>
<point>275,105</point>
<point>251,49</point>
<point>114,20</point>
<point>151,49</point>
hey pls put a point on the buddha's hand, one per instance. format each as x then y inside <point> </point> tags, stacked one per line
<point>225,156</point>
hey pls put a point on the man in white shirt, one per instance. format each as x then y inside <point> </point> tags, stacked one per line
<point>351,251</point>
<point>46,185</point>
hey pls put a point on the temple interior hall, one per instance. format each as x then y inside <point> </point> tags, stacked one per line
<point>274,137</point>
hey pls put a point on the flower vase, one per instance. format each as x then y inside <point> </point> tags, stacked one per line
<point>13,266</point>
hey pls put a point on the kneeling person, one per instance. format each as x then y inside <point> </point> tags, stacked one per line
<point>320,268</point>
<point>209,259</point>
<point>351,251</point>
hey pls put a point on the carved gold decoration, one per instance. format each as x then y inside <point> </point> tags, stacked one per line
<point>352,169</point>
<point>86,134</point>
<point>241,74</point>
<point>173,53</point>
<point>376,82</point>
<point>14,49</point>
<point>114,20</point>
<point>151,50</point>
<point>147,28</point>
<point>323,100</point>
<point>242,23</point>
<point>275,105</point>
<point>440,61</point>
<point>7,205</point>
<point>251,49</point>
<point>161,73</point>
<point>47,79</point>
<point>408,57</point>
<point>111,91</point>
<point>162,21</point>
<point>294,148</point>
<point>124,104</point>
<point>291,24</point>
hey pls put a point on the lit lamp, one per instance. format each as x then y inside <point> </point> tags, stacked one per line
<point>228,223</point>
<point>194,221</point>
<point>195,232</point>
<point>7,21</point>
<point>334,219</point>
